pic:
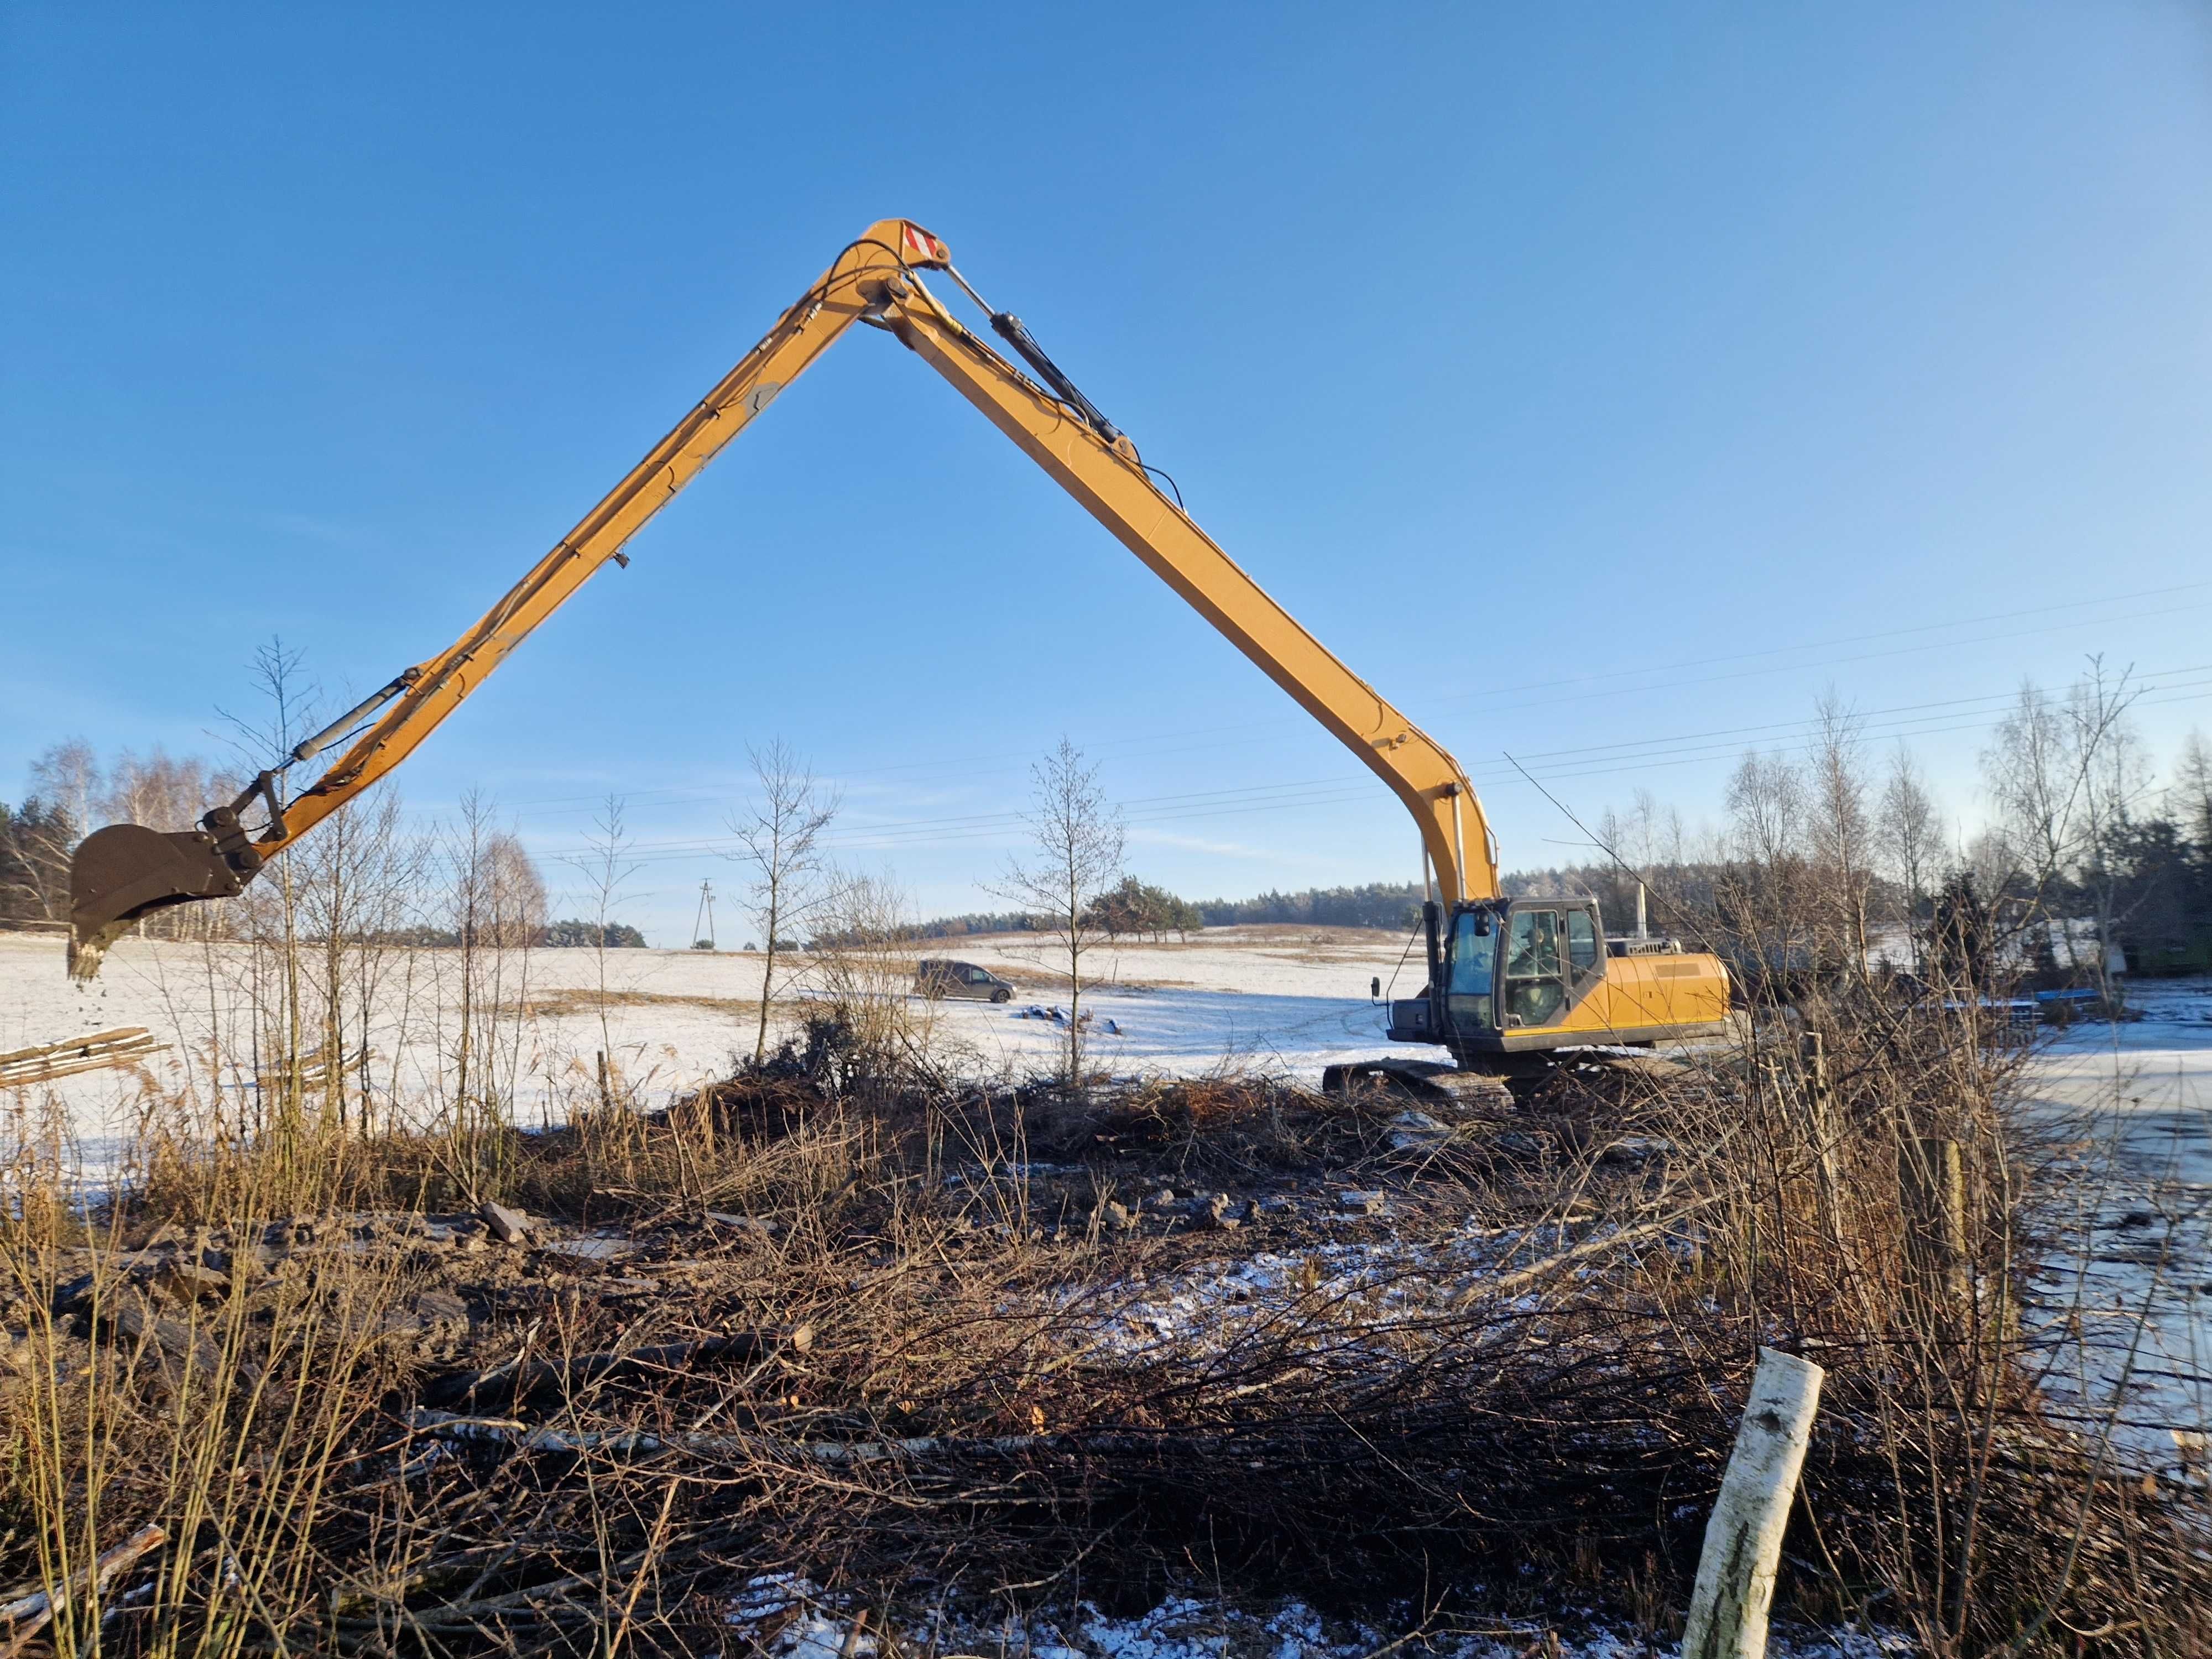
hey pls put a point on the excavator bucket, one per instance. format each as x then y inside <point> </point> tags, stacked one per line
<point>127,872</point>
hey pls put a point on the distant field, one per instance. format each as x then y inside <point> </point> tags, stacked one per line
<point>1277,998</point>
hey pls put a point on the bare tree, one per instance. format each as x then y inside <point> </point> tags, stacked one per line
<point>2190,799</point>
<point>68,776</point>
<point>1908,836</point>
<point>1077,839</point>
<point>492,882</point>
<point>781,834</point>
<point>2116,778</point>
<point>269,917</point>
<point>2034,786</point>
<point>157,790</point>
<point>862,970</point>
<point>356,877</point>
<point>508,890</point>
<point>1760,889</point>
<point>1841,833</point>
<point>65,790</point>
<point>2065,779</point>
<point>607,871</point>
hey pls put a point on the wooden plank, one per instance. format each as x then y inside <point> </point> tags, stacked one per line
<point>25,1077</point>
<point>98,1039</point>
<point>67,1056</point>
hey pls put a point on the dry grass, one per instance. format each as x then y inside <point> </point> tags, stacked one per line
<point>1520,1384</point>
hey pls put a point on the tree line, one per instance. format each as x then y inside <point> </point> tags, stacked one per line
<point>2084,857</point>
<point>72,792</point>
<point>2084,860</point>
<point>1393,905</point>
<point>1131,908</point>
<point>483,889</point>
<point>1137,909</point>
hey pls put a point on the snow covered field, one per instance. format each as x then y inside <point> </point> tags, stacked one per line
<point>1279,999</point>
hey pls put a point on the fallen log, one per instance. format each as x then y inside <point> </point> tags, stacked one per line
<point>518,1379</point>
<point>181,1349</point>
<point>1509,1284</point>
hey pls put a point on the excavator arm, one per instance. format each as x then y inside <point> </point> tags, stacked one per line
<point>127,871</point>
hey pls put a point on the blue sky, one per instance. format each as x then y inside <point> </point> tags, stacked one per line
<point>1604,382</point>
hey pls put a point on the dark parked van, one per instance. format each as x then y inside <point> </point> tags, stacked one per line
<point>960,979</point>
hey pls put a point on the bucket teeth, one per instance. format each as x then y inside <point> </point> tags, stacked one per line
<point>127,872</point>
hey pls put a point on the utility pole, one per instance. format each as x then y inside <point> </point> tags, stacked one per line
<point>706,912</point>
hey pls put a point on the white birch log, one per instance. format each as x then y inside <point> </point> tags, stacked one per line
<point>1743,1539</point>
<point>25,1618</point>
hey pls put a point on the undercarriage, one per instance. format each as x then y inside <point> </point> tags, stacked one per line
<point>1499,1080</point>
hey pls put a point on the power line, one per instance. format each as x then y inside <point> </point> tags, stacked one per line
<point>1908,720</point>
<point>898,836</point>
<point>1794,655</point>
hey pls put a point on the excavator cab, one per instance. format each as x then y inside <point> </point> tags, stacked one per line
<point>1523,976</point>
<point>1493,966</point>
<point>1462,988</point>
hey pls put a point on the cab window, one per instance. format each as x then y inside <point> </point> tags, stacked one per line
<point>1582,941</point>
<point>1533,992</point>
<point>1467,989</point>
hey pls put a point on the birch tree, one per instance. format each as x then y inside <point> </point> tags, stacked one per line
<point>1909,834</point>
<point>1076,839</point>
<point>2065,779</point>
<point>780,837</point>
<point>1842,833</point>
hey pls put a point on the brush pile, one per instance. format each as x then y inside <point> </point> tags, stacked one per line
<point>948,1349</point>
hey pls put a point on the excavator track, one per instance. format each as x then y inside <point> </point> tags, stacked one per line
<point>1434,1083</point>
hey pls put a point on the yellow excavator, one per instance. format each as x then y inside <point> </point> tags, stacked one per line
<point>1510,981</point>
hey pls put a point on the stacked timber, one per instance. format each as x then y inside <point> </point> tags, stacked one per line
<point>126,1045</point>
<point>313,1071</point>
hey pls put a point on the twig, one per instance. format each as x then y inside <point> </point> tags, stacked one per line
<point>34,1611</point>
<point>1505,1283</point>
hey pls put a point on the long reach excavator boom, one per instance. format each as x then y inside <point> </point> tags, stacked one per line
<point>127,871</point>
